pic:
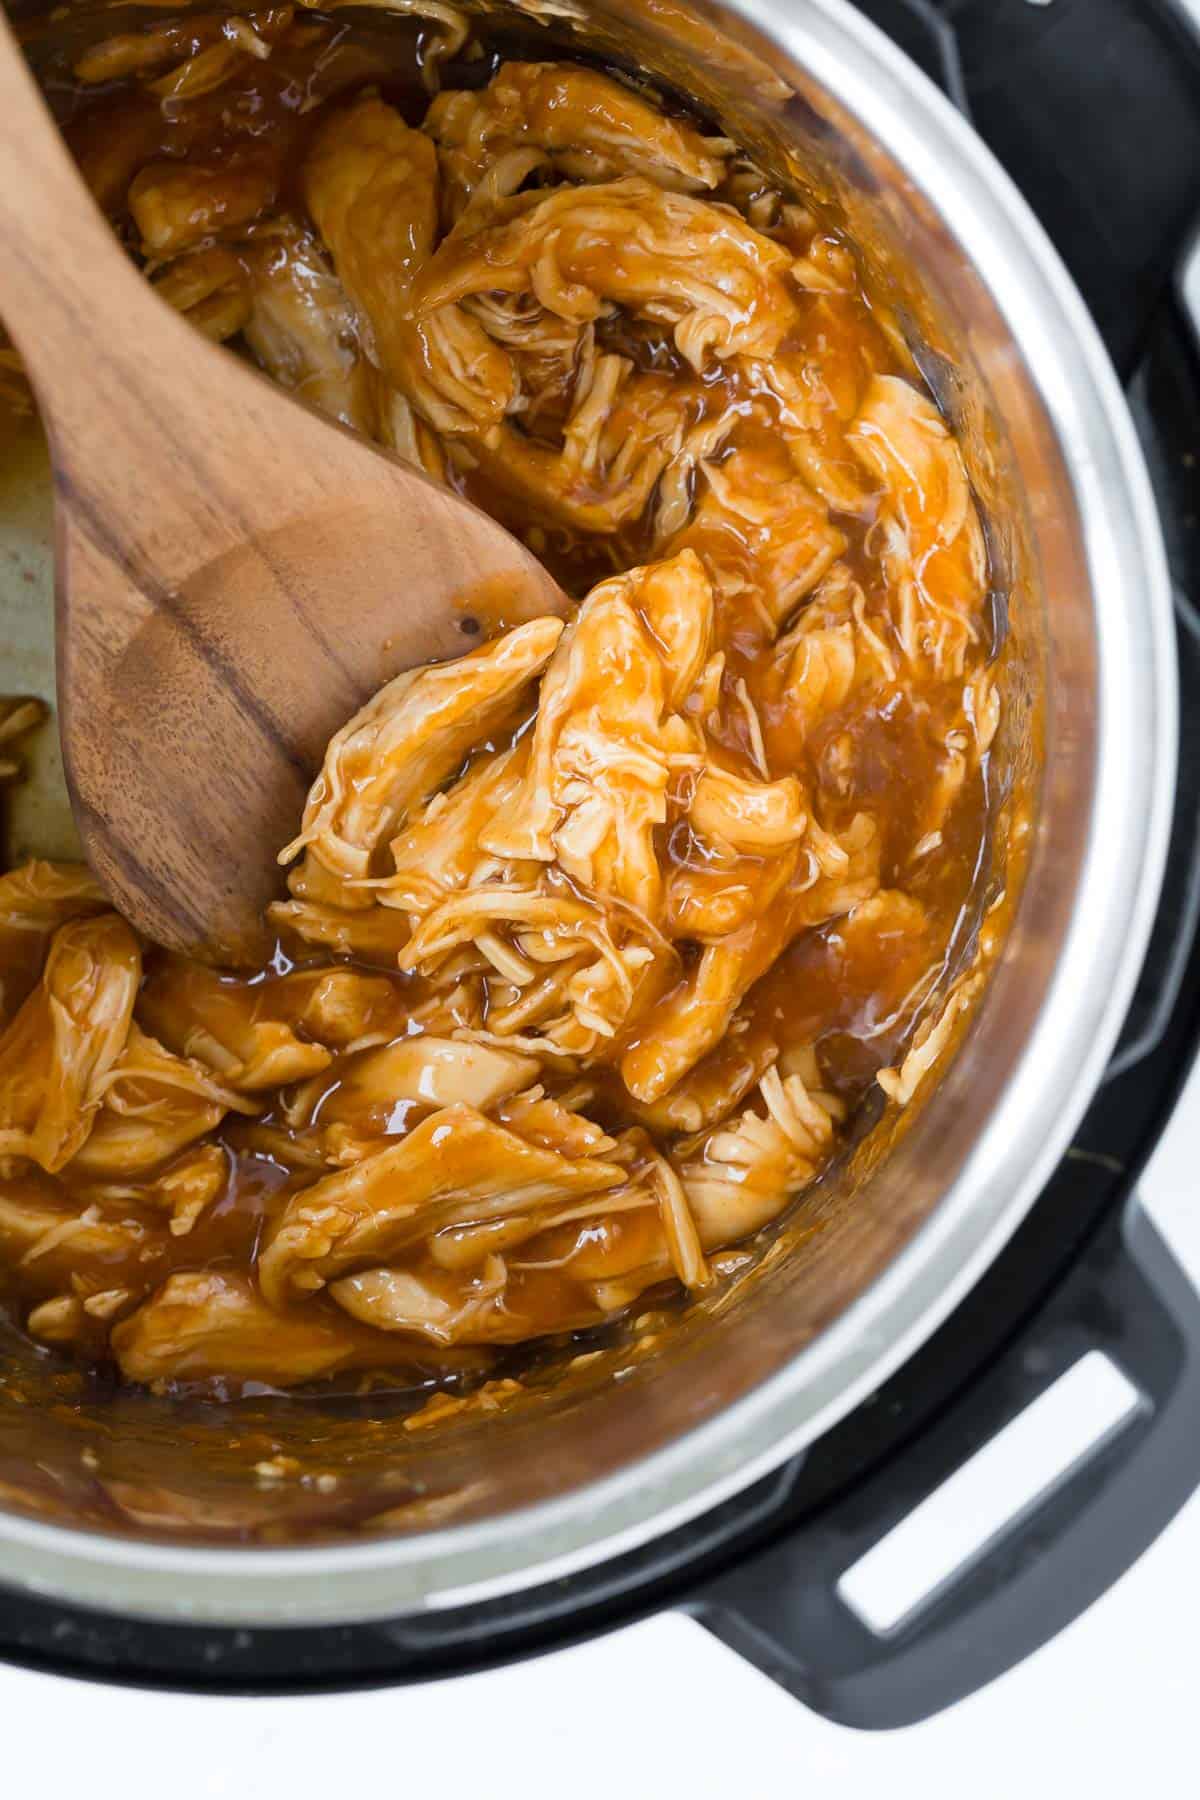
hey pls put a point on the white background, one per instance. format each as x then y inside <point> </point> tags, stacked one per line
<point>1110,1708</point>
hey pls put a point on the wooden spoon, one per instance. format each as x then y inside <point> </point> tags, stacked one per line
<point>235,575</point>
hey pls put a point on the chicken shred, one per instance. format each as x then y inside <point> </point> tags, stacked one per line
<point>457,1166</point>
<point>57,1055</point>
<point>589,127</point>
<point>405,741</point>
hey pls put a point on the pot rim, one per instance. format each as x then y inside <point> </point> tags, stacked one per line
<point>1117,895</point>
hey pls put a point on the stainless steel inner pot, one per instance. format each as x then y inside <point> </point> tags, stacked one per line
<point>102,1496</point>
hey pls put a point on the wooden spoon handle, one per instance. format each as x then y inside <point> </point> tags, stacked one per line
<point>68,296</point>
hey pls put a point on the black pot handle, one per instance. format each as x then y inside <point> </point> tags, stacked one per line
<point>781,1607</point>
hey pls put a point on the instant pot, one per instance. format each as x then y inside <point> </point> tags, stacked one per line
<point>742,1468</point>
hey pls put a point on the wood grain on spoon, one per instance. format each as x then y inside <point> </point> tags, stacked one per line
<point>235,575</point>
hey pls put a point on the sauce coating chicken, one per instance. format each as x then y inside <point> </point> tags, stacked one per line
<point>596,937</point>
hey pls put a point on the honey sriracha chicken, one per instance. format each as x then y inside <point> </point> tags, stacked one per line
<point>595,938</point>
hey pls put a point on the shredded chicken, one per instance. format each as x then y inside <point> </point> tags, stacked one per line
<point>733,1175</point>
<point>607,742</point>
<point>19,716</point>
<point>930,1043</point>
<point>759,527</point>
<point>229,1030</point>
<point>381,1093</point>
<point>210,289</point>
<point>210,1323</point>
<point>695,1015</point>
<point>931,540</point>
<point>179,206</point>
<point>188,1185</point>
<point>35,899</point>
<point>406,741</point>
<point>370,185</point>
<point>589,127</point>
<point>302,329</point>
<point>38,1220</point>
<point>447,40</point>
<point>595,937</point>
<point>480,1171</point>
<point>57,1055</point>
<point>154,1103</point>
<point>718,286</point>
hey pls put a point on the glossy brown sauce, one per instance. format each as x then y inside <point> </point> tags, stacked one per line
<point>895,739</point>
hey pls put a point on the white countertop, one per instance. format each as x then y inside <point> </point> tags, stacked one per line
<point>662,1709</point>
